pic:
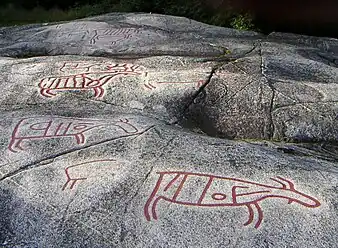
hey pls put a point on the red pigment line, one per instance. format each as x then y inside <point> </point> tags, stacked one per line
<point>80,138</point>
<point>73,183</point>
<point>62,67</point>
<point>98,92</point>
<point>292,186</point>
<point>47,129</point>
<point>233,193</point>
<point>283,184</point>
<point>65,185</point>
<point>151,88</point>
<point>58,81</point>
<point>66,82</point>
<point>186,203</point>
<point>101,91</point>
<point>205,190</point>
<point>260,215</point>
<point>171,182</point>
<point>73,82</point>
<point>16,128</point>
<point>251,215</point>
<point>220,177</point>
<point>147,205</point>
<point>53,79</point>
<point>67,128</point>
<point>58,129</point>
<point>180,187</point>
<point>153,208</point>
<point>252,193</point>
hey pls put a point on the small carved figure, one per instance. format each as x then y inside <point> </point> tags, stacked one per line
<point>82,171</point>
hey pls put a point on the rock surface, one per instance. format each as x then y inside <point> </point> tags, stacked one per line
<point>145,130</point>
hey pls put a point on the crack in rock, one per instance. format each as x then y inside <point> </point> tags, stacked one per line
<point>271,127</point>
<point>37,163</point>
<point>124,231</point>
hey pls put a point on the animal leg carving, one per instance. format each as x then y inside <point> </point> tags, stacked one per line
<point>73,182</point>
<point>98,91</point>
<point>15,144</point>
<point>251,214</point>
<point>47,93</point>
<point>150,204</point>
<point>260,215</point>
<point>153,208</point>
<point>80,138</point>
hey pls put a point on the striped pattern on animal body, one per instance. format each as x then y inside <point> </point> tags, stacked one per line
<point>114,35</point>
<point>92,80</point>
<point>205,190</point>
<point>37,128</point>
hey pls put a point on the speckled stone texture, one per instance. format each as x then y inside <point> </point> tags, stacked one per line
<point>144,130</point>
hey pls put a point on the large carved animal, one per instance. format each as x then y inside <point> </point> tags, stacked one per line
<point>216,191</point>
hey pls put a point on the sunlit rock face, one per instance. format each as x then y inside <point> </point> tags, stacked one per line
<point>145,130</point>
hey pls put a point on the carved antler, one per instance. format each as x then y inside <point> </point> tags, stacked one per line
<point>291,185</point>
<point>278,181</point>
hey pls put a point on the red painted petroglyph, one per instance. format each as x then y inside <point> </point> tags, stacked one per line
<point>83,171</point>
<point>87,77</point>
<point>150,86</point>
<point>174,187</point>
<point>114,35</point>
<point>37,128</point>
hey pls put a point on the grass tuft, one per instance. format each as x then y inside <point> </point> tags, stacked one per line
<point>193,9</point>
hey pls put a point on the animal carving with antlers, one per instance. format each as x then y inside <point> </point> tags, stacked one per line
<point>176,187</point>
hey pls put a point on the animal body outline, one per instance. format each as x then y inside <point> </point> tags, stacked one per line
<point>58,127</point>
<point>74,180</point>
<point>118,34</point>
<point>181,178</point>
<point>87,80</point>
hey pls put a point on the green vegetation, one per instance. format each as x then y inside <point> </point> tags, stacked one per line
<point>242,22</point>
<point>17,16</point>
<point>194,9</point>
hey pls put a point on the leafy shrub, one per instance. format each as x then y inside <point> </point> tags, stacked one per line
<point>193,9</point>
<point>242,22</point>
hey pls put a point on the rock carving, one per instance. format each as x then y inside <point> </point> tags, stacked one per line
<point>82,171</point>
<point>35,128</point>
<point>173,186</point>
<point>108,36</point>
<point>87,77</point>
<point>113,34</point>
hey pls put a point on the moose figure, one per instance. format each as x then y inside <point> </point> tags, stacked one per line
<point>87,77</point>
<point>216,191</point>
<point>42,127</point>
